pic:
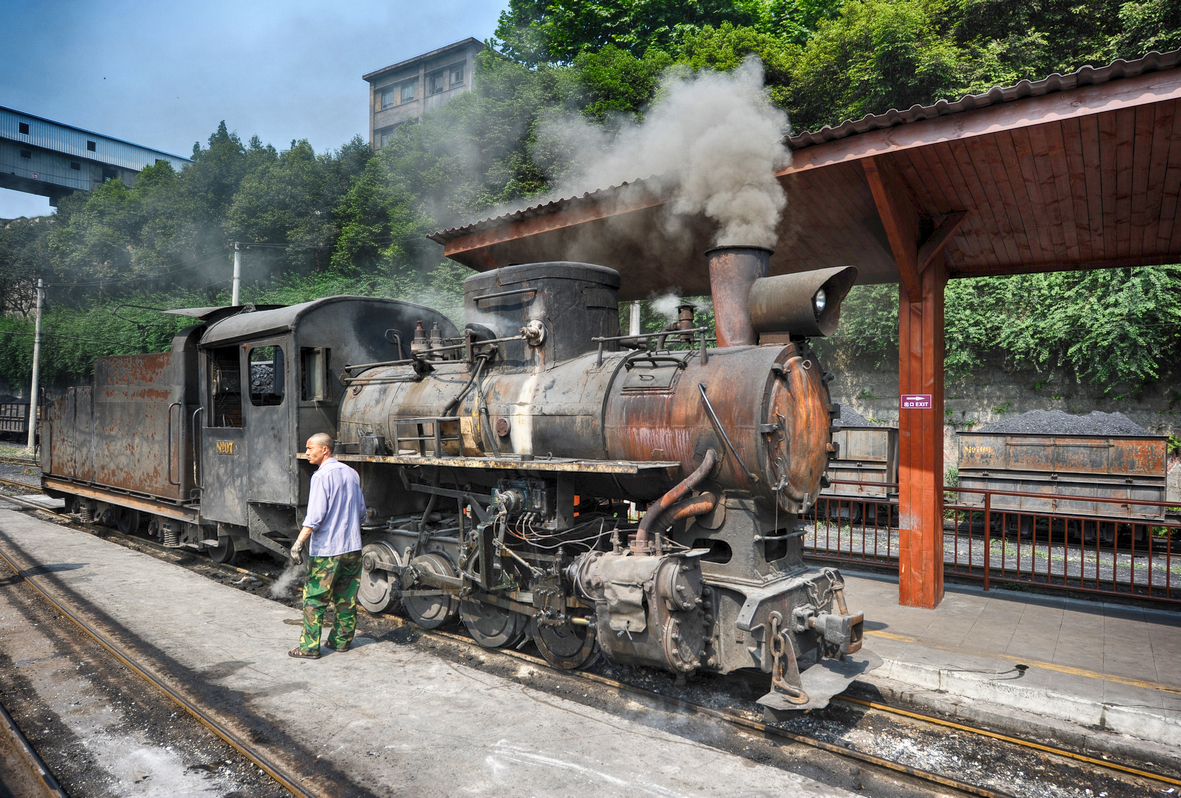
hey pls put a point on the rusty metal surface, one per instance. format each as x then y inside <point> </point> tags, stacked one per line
<point>867,456</point>
<point>136,443</point>
<point>786,302</point>
<point>165,509</point>
<point>750,389</point>
<point>1066,473</point>
<point>732,272</point>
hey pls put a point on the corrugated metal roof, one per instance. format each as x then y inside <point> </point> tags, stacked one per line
<point>1085,76</point>
<point>541,209</point>
<point>76,142</point>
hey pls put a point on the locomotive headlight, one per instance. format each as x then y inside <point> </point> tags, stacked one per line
<point>818,302</point>
<point>804,304</point>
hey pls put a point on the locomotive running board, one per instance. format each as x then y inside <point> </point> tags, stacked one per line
<point>821,682</point>
<point>527,463</point>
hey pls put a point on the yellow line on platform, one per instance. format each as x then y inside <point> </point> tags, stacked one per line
<point>1033,663</point>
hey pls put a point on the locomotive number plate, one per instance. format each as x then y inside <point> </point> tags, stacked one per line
<point>225,447</point>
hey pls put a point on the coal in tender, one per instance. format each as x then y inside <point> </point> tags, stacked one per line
<point>262,378</point>
<point>851,418</point>
<point>1055,422</point>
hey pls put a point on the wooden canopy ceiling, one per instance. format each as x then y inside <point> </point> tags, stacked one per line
<point>1082,171</point>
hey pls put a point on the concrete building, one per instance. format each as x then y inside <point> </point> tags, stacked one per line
<point>40,156</point>
<point>408,89</point>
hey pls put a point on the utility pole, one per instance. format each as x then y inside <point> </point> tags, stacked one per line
<point>237,272</point>
<point>36,362</point>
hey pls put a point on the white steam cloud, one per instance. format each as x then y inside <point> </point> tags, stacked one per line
<point>666,305</point>
<point>713,141</point>
<point>293,574</point>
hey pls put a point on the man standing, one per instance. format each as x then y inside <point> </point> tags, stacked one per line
<point>333,522</point>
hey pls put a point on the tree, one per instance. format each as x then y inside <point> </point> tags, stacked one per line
<point>543,31</point>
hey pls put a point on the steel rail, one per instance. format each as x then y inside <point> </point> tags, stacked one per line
<point>731,718</point>
<point>104,531</point>
<point>1048,749</point>
<point>289,781</point>
<point>36,764</point>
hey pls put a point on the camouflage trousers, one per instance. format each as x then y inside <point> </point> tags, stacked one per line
<point>331,580</point>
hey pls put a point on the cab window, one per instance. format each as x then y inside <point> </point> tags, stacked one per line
<point>266,376</point>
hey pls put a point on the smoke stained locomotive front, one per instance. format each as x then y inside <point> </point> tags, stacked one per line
<point>501,467</point>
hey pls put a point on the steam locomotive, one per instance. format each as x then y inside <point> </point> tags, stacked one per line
<point>534,474</point>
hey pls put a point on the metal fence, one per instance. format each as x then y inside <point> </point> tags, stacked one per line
<point>1107,554</point>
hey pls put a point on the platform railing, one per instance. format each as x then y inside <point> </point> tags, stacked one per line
<point>1103,554</point>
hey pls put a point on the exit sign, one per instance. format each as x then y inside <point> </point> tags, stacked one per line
<point>916,401</point>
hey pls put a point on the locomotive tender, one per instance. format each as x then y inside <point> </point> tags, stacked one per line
<point>502,464</point>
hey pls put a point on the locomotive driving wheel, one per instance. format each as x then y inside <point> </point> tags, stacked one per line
<point>492,626</point>
<point>377,592</point>
<point>568,646</point>
<point>427,606</point>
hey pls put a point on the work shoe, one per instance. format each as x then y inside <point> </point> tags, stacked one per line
<point>299,653</point>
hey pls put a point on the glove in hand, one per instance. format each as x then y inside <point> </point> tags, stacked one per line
<point>297,552</point>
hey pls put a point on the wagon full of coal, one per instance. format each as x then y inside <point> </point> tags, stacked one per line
<point>862,473</point>
<point>1094,487</point>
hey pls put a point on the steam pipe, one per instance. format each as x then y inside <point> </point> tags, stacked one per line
<point>686,508</point>
<point>657,509</point>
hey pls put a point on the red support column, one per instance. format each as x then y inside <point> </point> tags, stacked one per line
<point>920,442</point>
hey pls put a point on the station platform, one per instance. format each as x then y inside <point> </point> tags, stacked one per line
<point>1090,675</point>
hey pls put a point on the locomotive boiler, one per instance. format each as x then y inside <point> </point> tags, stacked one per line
<point>522,447</point>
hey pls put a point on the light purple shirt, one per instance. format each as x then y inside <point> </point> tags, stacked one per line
<point>335,510</point>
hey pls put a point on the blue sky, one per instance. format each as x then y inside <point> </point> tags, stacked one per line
<point>163,74</point>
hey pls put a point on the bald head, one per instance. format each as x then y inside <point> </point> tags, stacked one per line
<point>319,448</point>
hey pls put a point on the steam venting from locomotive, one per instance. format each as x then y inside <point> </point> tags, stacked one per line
<point>712,140</point>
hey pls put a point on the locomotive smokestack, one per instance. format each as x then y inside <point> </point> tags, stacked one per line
<point>732,272</point>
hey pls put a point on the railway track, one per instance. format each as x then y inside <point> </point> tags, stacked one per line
<point>739,720</point>
<point>37,775</point>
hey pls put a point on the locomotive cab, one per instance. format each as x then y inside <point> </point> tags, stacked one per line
<point>269,379</point>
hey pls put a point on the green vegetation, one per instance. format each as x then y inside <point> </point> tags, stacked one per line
<point>353,221</point>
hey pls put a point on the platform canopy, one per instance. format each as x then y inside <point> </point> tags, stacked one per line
<point>1076,171</point>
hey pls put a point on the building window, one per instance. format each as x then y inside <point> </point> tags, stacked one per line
<point>387,97</point>
<point>24,128</point>
<point>77,167</point>
<point>26,154</point>
<point>457,75</point>
<point>408,91</point>
<point>90,145</point>
<point>435,82</point>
